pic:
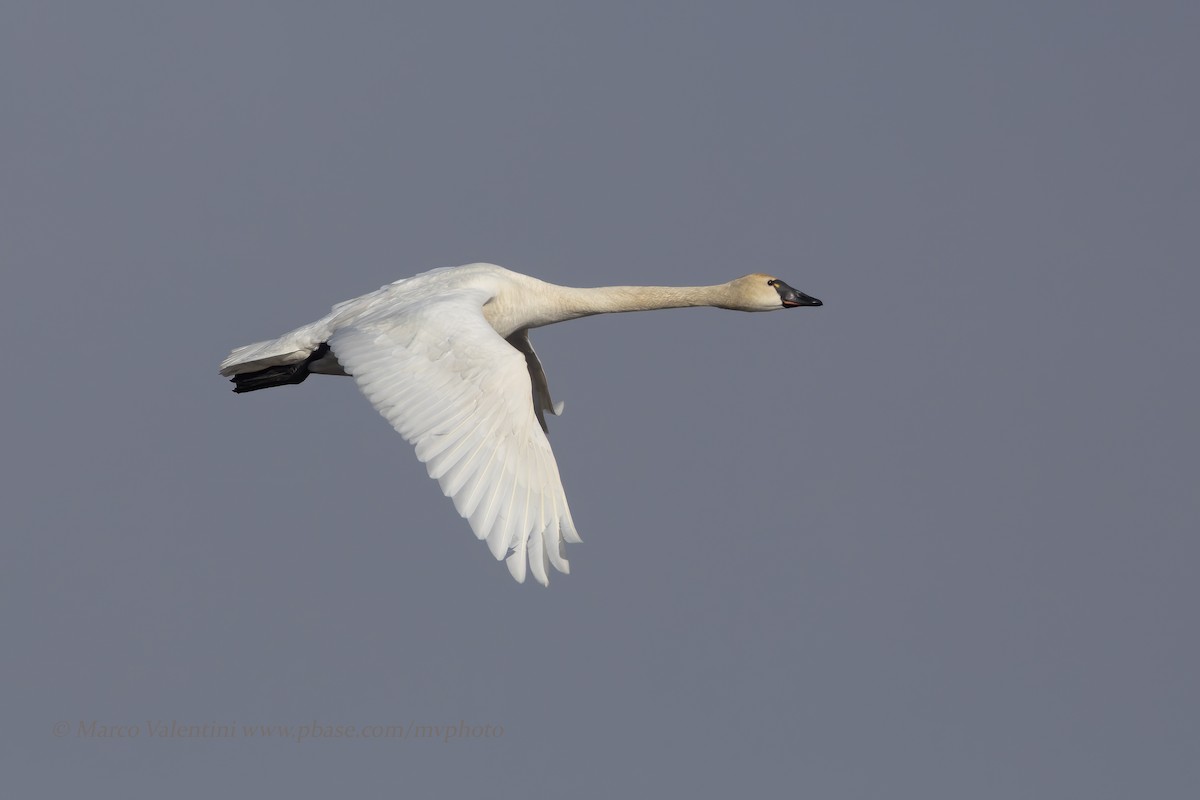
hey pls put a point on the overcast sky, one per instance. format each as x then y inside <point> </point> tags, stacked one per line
<point>937,539</point>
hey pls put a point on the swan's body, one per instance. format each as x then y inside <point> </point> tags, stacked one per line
<point>445,357</point>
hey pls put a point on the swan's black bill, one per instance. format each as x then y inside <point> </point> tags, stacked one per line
<point>794,298</point>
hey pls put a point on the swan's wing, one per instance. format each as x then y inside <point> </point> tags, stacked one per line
<point>462,396</point>
<point>541,389</point>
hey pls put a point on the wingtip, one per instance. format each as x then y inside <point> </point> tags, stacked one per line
<point>516,567</point>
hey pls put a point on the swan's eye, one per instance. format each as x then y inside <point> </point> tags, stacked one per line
<point>772,282</point>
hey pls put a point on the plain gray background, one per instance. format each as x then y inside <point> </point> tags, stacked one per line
<point>937,539</point>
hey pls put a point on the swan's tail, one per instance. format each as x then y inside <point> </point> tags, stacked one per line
<point>253,374</point>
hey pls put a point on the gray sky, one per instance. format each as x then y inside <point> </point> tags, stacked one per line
<point>937,539</point>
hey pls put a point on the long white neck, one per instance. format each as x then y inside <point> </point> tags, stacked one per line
<point>564,302</point>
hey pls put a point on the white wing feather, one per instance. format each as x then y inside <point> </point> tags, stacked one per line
<point>463,396</point>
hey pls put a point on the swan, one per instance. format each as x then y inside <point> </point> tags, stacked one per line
<point>445,357</point>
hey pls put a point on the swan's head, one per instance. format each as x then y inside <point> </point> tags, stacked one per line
<point>760,292</point>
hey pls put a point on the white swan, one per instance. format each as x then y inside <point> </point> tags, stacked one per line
<point>445,357</point>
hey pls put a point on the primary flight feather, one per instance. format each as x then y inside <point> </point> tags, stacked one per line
<point>445,357</point>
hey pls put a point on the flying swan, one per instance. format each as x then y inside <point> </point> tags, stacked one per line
<point>445,357</point>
